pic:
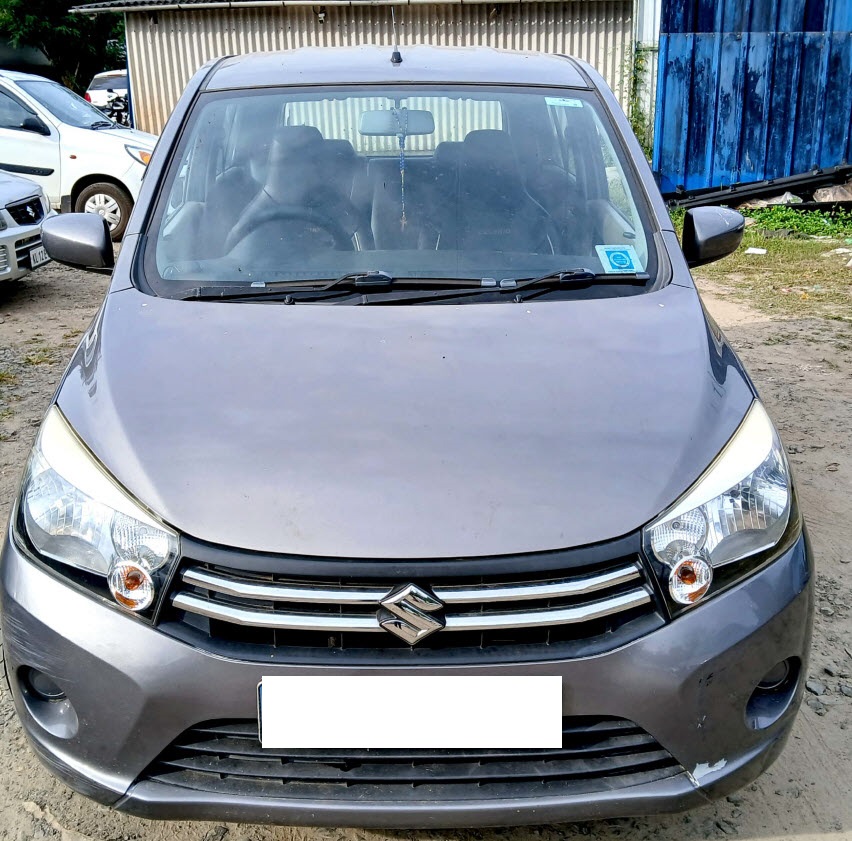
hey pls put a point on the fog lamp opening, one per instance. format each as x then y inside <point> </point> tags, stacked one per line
<point>42,686</point>
<point>773,694</point>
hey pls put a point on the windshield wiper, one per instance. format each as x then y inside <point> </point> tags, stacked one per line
<point>102,124</point>
<point>271,291</point>
<point>352,281</point>
<point>563,278</point>
<point>399,289</point>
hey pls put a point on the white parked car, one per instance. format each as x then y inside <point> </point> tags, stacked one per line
<point>84,161</point>
<point>23,207</point>
<point>99,89</point>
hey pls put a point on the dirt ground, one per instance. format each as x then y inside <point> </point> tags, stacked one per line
<point>803,369</point>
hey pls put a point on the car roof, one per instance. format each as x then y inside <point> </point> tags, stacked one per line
<point>372,65</point>
<point>107,73</point>
<point>15,76</point>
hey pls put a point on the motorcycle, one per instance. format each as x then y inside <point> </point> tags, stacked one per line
<point>117,108</point>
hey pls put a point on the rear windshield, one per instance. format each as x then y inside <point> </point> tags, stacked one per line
<point>413,181</point>
<point>105,83</point>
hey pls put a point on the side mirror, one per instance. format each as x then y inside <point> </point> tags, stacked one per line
<point>710,233</point>
<point>81,240</point>
<point>34,124</point>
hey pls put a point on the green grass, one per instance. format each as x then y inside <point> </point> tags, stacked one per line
<point>40,356</point>
<point>8,378</point>
<point>805,222</point>
<point>796,277</point>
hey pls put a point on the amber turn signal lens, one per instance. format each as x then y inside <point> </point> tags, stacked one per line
<point>131,586</point>
<point>690,579</point>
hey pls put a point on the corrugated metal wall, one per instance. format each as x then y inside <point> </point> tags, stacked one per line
<point>166,48</point>
<point>750,90</point>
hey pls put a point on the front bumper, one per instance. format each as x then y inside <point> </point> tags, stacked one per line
<point>134,690</point>
<point>15,246</point>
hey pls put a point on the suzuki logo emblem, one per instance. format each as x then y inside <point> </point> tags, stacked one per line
<point>406,612</point>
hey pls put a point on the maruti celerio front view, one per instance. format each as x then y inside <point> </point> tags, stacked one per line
<point>402,374</point>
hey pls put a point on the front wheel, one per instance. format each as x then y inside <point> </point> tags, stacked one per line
<point>109,201</point>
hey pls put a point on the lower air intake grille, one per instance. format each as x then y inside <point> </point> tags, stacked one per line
<point>597,754</point>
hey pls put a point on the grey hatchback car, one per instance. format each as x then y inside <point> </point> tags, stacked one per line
<point>402,479</point>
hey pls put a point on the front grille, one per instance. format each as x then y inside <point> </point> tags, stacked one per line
<point>26,212</point>
<point>597,754</point>
<point>246,613</point>
<point>23,248</point>
<point>4,258</point>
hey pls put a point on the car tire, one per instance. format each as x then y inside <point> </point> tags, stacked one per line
<point>112,202</point>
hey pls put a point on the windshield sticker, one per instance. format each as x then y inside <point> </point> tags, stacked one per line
<point>618,258</point>
<point>563,102</point>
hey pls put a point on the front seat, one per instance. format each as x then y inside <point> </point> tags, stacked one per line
<point>298,177</point>
<point>494,212</point>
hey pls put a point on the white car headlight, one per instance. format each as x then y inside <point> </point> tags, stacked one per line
<point>75,513</point>
<point>739,507</point>
<point>139,154</point>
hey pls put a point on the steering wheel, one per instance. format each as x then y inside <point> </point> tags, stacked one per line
<point>289,213</point>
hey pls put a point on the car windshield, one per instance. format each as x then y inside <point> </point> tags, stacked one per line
<point>63,104</point>
<point>436,182</point>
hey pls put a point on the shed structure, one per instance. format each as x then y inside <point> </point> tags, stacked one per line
<point>168,40</point>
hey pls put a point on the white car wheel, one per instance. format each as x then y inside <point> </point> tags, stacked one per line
<point>110,201</point>
<point>105,206</point>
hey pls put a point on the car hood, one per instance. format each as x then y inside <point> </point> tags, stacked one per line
<point>125,136</point>
<point>132,135</point>
<point>405,432</point>
<point>14,188</point>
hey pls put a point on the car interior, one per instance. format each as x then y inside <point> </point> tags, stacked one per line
<point>394,179</point>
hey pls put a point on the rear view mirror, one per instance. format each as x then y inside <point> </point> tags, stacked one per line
<point>710,233</point>
<point>390,123</point>
<point>81,240</point>
<point>34,124</point>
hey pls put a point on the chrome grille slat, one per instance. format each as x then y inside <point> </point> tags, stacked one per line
<point>277,620</point>
<point>548,590</point>
<point>269,591</point>
<point>367,623</point>
<point>545,617</point>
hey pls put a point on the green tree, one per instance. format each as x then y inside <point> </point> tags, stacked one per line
<point>78,46</point>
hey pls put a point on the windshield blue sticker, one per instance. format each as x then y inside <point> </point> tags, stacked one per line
<point>563,102</point>
<point>618,258</point>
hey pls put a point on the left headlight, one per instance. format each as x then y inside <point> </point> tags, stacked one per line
<point>139,154</point>
<point>75,513</point>
<point>739,507</point>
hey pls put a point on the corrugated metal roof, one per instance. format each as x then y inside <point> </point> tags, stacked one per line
<point>179,5</point>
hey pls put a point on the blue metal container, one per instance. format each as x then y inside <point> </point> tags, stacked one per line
<point>751,90</point>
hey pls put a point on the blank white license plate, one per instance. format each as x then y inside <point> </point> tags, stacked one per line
<point>38,256</point>
<point>410,711</point>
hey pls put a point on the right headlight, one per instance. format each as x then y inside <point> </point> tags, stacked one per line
<point>77,515</point>
<point>739,507</point>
